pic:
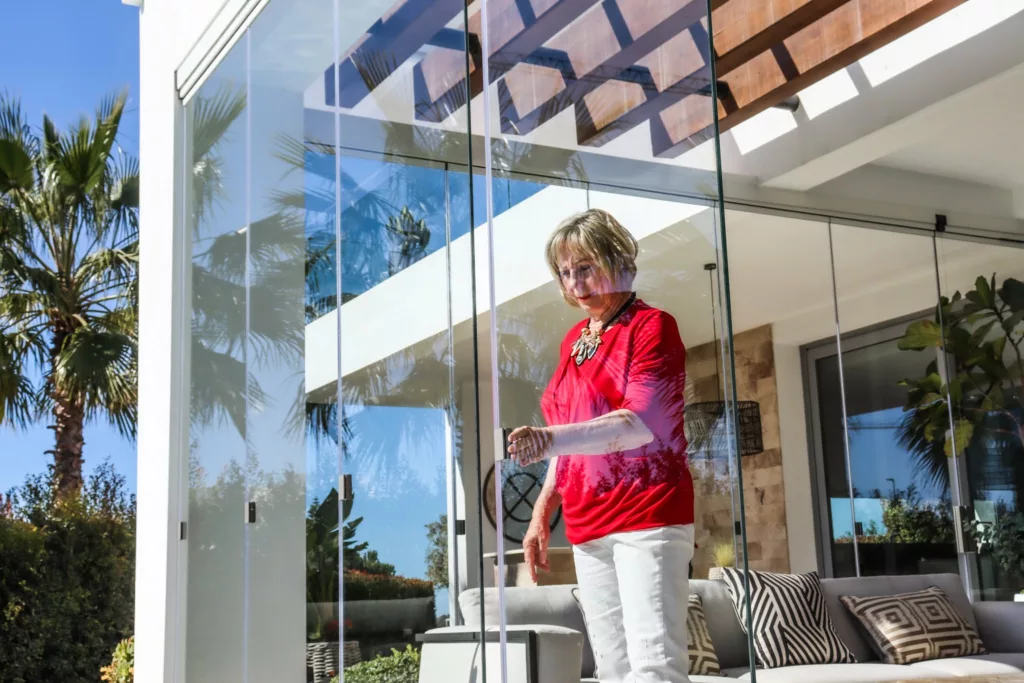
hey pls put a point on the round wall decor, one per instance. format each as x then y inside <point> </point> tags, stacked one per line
<point>519,491</point>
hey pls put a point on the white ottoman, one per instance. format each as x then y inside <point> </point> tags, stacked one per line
<point>535,654</point>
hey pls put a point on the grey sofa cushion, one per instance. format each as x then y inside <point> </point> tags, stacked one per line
<point>841,673</point>
<point>525,606</point>
<point>996,664</point>
<point>556,606</point>
<point>853,634</point>
<point>1000,625</point>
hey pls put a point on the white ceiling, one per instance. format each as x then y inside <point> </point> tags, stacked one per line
<point>983,141</point>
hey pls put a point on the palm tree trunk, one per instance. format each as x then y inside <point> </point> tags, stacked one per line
<point>68,429</point>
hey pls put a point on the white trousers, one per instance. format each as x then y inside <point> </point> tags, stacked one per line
<point>634,588</point>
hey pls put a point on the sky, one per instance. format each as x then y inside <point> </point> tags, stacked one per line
<point>62,57</point>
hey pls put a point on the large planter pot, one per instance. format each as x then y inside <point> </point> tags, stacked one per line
<point>1018,598</point>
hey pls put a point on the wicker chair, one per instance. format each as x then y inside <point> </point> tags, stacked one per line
<point>322,659</point>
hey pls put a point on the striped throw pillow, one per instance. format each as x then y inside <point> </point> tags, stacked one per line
<point>790,622</point>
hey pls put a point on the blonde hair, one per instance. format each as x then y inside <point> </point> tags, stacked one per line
<point>593,234</point>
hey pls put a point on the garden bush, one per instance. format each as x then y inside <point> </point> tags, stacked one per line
<point>67,580</point>
<point>364,586</point>
<point>400,667</point>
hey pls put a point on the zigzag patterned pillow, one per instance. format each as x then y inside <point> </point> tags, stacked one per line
<point>915,627</point>
<point>791,625</point>
<point>703,658</point>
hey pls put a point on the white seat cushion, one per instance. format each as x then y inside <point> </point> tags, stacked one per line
<point>693,679</point>
<point>992,664</point>
<point>841,673</point>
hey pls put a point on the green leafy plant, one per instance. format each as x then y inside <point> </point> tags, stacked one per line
<point>1004,539</point>
<point>402,666</point>
<point>437,552</point>
<point>362,586</point>
<point>122,667</point>
<point>908,519</point>
<point>983,335</point>
<point>68,279</point>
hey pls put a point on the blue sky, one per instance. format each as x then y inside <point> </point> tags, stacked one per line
<point>62,57</point>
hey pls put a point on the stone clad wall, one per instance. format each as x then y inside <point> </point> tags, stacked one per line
<point>765,497</point>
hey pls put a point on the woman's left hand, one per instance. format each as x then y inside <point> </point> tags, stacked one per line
<point>530,444</point>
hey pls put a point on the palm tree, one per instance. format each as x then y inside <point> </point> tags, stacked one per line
<point>68,279</point>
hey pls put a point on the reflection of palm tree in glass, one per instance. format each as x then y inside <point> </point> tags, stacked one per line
<point>384,230</point>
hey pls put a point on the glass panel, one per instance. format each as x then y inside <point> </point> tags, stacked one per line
<point>405,383</point>
<point>217,220</point>
<point>292,469</point>
<point>605,110</point>
<point>901,512</point>
<point>983,324</point>
<point>780,279</point>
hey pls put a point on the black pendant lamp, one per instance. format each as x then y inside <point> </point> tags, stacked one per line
<point>706,420</point>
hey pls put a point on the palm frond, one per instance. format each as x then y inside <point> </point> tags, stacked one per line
<point>17,394</point>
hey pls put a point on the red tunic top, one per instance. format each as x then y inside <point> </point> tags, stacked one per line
<point>640,366</point>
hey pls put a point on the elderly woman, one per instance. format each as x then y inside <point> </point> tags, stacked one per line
<point>615,439</point>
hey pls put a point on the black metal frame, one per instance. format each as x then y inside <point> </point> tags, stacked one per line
<point>527,638</point>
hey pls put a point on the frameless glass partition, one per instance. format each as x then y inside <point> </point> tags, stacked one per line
<point>782,300</point>
<point>900,502</point>
<point>370,193</point>
<point>216,210</point>
<point>981,326</point>
<point>610,389</point>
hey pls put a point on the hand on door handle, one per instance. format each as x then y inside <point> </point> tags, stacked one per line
<point>528,445</point>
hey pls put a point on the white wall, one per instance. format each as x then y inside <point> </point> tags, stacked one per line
<point>796,463</point>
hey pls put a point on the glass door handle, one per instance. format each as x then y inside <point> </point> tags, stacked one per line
<point>503,440</point>
<point>961,513</point>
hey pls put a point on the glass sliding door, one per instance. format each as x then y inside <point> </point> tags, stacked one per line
<point>897,516</point>
<point>606,336</point>
<point>782,299</point>
<point>981,323</point>
<point>214,530</point>
<point>405,377</point>
<point>332,469</point>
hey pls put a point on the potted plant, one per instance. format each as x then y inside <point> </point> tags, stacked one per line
<point>722,555</point>
<point>982,387</point>
<point>1019,597</point>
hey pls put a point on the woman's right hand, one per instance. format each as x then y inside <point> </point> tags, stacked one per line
<point>535,547</point>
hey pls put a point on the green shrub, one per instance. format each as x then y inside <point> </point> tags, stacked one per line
<point>363,586</point>
<point>122,666</point>
<point>67,581</point>
<point>400,667</point>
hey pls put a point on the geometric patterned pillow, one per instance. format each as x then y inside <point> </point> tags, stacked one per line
<point>703,659</point>
<point>791,625</point>
<point>915,627</point>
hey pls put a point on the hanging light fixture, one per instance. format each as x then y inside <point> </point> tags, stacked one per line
<point>705,421</point>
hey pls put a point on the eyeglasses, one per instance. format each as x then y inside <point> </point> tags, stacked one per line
<point>579,272</point>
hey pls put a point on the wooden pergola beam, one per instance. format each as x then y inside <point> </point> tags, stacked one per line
<point>743,30</point>
<point>393,39</point>
<point>600,45</point>
<point>517,29</point>
<point>854,30</point>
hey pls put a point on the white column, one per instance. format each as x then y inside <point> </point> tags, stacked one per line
<point>160,369</point>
